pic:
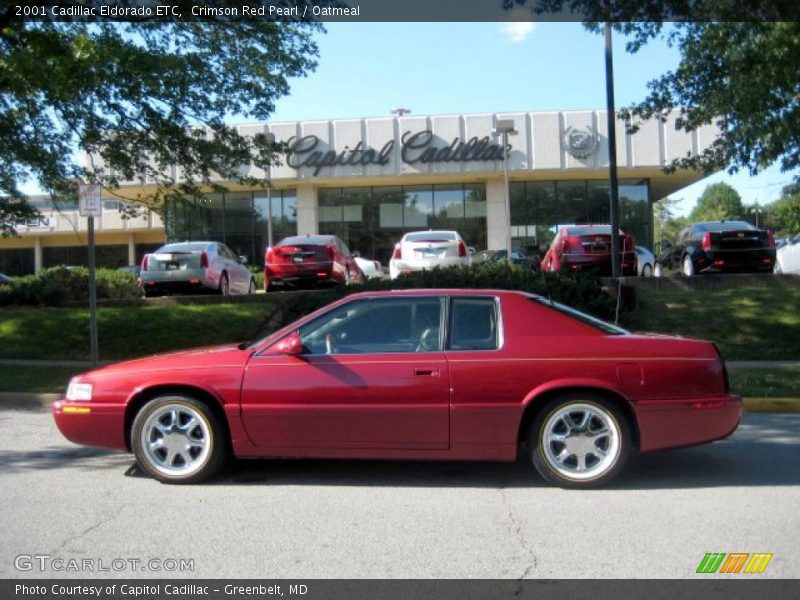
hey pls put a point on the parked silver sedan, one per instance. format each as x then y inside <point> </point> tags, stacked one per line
<point>195,266</point>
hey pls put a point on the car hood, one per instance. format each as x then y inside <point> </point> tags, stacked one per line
<point>208,356</point>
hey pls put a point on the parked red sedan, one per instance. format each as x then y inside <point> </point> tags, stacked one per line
<point>588,248</point>
<point>415,374</point>
<point>309,260</point>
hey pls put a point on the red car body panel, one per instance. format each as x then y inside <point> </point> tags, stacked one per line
<point>455,405</point>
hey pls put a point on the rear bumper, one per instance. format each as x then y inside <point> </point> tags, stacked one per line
<point>299,274</point>
<point>399,266</point>
<point>679,423</point>
<point>166,281</point>
<point>730,261</point>
<point>91,423</point>
<point>599,264</point>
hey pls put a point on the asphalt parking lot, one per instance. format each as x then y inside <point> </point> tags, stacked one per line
<point>343,519</point>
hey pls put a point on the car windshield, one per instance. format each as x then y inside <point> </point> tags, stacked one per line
<point>184,247</point>
<point>430,236</point>
<point>723,226</point>
<point>589,320</point>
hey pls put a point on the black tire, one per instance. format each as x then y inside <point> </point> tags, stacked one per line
<point>251,289</point>
<point>647,270</point>
<point>206,442</point>
<point>542,448</point>
<point>224,285</point>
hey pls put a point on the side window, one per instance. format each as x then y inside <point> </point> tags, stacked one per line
<point>377,326</point>
<point>473,324</point>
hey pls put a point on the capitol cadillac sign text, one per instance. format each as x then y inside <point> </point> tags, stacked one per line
<point>308,151</point>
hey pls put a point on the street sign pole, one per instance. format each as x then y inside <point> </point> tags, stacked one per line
<point>92,298</point>
<point>90,205</point>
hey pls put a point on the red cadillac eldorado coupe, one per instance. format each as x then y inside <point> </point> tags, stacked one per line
<point>413,374</point>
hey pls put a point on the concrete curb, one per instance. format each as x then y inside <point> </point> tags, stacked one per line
<point>27,401</point>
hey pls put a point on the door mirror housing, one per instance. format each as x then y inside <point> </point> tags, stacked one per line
<point>242,260</point>
<point>291,345</point>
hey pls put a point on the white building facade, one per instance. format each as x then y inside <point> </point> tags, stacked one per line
<point>370,180</point>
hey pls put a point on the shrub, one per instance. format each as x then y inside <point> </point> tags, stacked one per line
<point>61,285</point>
<point>579,290</point>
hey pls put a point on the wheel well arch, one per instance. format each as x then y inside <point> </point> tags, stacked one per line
<point>536,404</point>
<point>142,397</point>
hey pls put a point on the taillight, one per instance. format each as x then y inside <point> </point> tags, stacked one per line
<point>462,249</point>
<point>144,262</point>
<point>204,259</point>
<point>724,369</point>
<point>707,240</point>
<point>770,238</point>
<point>396,253</point>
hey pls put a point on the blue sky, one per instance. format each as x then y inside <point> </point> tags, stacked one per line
<point>367,69</point>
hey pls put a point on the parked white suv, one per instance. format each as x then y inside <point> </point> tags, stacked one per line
<point>419,250</point>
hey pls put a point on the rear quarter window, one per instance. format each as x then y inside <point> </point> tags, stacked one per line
<point>473,324</point>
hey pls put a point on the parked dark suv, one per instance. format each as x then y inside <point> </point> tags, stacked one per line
<point>309,260</point>
<point>718,247</point>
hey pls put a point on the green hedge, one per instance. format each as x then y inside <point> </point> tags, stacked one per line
<point>578,290</point>
<point>60,285</point>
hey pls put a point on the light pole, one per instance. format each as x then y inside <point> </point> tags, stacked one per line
<point>505,128</point>
<point>756,209</point>
<point>270,138</point>
<point>612,155</point>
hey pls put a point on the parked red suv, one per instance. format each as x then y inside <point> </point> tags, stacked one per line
<point>588,248</point>
<point>309,260</point>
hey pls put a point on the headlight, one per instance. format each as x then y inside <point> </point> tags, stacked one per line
<point>79,391</point>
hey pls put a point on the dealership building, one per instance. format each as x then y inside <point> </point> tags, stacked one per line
<point>370,180</point>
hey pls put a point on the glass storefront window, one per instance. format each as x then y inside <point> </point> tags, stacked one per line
<point>386,213</point>
<point>540,208</point>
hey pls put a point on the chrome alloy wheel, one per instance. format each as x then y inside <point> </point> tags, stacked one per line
<point>176,439</point>
<point>581,441</point>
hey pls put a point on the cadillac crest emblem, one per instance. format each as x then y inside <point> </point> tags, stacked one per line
<point>581,143</point>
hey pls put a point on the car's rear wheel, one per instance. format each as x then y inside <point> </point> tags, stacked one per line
<point>224,285</point>
<point>688,266</point>
<point>177,439</point>
<point>647,271</point>
<point>579,441</point>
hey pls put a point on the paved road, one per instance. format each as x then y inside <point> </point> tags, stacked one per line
<point>379,519</point>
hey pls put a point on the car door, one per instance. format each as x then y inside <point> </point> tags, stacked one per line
<point>372,375</point>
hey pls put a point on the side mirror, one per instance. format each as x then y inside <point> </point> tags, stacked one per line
<point>242,260</point>
<point>471,251</point>
<point>291,345</point>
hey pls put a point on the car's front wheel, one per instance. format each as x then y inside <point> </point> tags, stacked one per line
<point>579,441</point>
<point>252,287</point>
<point>177,439</point>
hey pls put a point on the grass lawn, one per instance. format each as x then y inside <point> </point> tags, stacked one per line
<point>38,380</point>
<point>125,332</point>
<point>765,383</point>
<point>745,323</point>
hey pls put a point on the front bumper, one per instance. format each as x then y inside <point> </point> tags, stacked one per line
<point>91,423</point>
<point>686,422</point>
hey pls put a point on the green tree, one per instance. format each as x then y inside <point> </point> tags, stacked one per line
<point>783,215</point>
<point>136,98</point>
<point>717,202</point>
<point>738,71</point>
